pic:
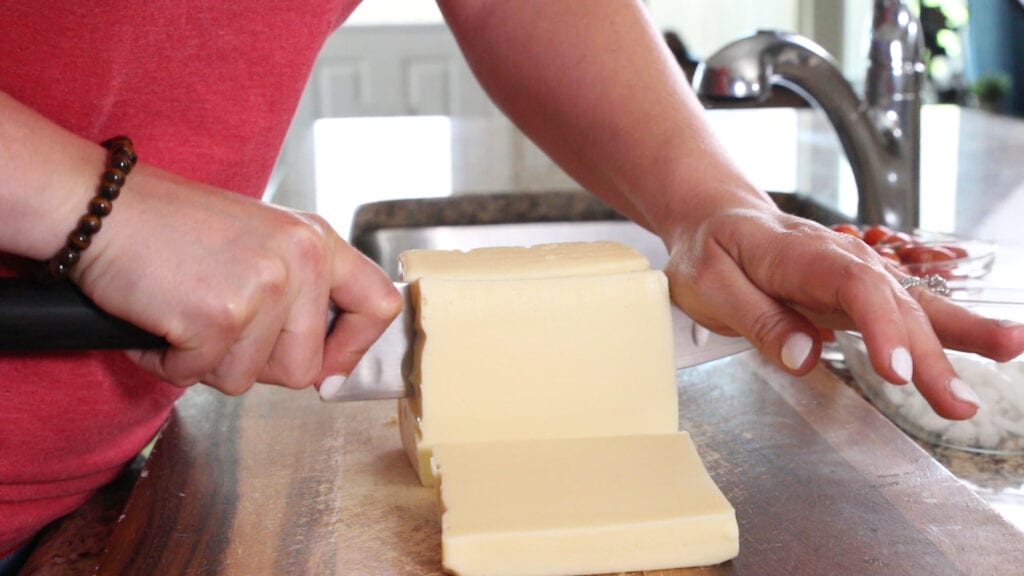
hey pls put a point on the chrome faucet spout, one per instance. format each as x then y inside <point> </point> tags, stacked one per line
<point>880,134</point>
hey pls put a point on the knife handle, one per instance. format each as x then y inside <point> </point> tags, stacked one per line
<point>37,317</point>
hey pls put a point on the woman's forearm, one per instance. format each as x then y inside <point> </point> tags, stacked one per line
<point>618,116</point>
<point>47,176</point>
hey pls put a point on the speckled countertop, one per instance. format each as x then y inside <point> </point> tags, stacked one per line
<point>996,478</point>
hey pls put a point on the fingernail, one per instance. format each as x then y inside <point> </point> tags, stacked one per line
<point>796,349</point>
<point>902,364</point>
<point>330,388</point>
<point>962,392</point>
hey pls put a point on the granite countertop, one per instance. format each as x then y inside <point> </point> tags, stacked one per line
<point>996,478</point>
<point>75,545</point>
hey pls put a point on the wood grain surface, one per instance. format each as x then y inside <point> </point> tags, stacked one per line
<point>276,482</point>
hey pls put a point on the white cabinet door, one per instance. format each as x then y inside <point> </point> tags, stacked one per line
<point>395,71</point>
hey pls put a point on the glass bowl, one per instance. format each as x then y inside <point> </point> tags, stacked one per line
<point>997,428</point>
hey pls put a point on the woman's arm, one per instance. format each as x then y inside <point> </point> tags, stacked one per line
<point>593,84</point>
<point>48,175</point>
<point>240,289</point>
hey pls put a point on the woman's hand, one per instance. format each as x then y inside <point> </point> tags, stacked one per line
<point>240,289</point>
<point>773,277</point>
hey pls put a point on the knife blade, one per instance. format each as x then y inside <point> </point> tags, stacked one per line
<point>39,317</point>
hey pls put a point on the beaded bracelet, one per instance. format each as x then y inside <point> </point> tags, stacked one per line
<point>120,162</point>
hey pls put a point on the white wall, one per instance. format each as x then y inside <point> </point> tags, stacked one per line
<point>857,16</point>
<point>706,26</point>
<point>840,26</point>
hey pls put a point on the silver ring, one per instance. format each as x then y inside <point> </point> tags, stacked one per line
<point>933,282</point>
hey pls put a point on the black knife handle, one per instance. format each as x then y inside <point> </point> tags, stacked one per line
<point>39,317</point>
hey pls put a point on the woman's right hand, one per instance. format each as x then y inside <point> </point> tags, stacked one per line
<point>239,288</point>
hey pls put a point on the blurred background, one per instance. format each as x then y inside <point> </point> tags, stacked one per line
<point>974,46</point>
<point>391,83</point>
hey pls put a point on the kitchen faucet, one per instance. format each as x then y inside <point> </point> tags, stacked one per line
<point>880,134</point>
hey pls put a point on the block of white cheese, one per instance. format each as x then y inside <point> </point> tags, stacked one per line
<point>540,261</point>
<point>580,506</point>
<point>559,341</point>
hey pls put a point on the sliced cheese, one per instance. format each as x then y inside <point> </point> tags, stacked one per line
<point>539,357</point>
<point>540,261</point>
<point>580,506</point>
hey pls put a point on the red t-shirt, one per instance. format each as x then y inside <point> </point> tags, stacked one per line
<point>206,90</point>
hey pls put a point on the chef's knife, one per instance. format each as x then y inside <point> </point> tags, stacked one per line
<point>35,317</point>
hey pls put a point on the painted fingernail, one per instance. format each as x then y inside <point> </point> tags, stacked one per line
<point>796,349</point>
<point>330,388</point>
<point>962,392</point>
<point>902,364</point>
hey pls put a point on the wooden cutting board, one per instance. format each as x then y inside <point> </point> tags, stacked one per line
<point>276,482</point>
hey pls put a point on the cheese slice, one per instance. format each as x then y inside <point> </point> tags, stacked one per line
<point>545,356</point>
<point>580,506</point>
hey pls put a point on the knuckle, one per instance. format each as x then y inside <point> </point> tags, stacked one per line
<point>227,316</point>
<point>915,313</point>
<point>700,266</point>
<point>857,275</point>
<point>804,227</point>
<point>306,245</point>
<point>270,276</point>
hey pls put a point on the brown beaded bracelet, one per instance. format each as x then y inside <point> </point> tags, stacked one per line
<point>120,162</point>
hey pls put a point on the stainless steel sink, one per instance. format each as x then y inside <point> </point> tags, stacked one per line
<point>383,230</point>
